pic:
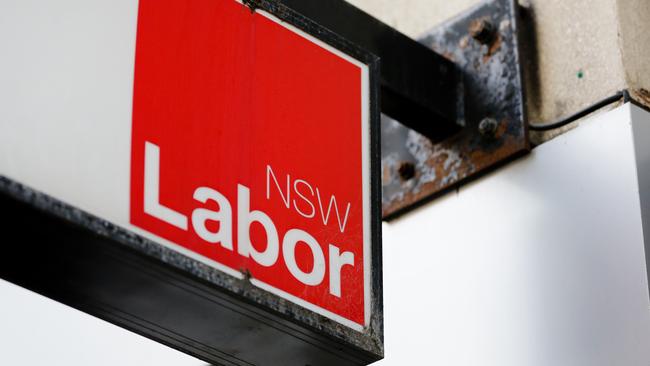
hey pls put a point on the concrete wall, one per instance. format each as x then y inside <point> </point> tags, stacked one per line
<point>578,46</point>
<point>634,36</point>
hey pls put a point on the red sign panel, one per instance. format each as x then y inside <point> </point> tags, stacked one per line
<point>250,149</point>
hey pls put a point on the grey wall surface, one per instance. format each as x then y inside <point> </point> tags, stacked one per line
<point>541,263</point>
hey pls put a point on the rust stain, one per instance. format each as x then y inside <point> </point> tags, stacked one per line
<point>448,55</point>
<point>493,48</point>
<point>454,162</point>
<point>482,30</point>
<point>642,95</point>
<point>385,174</point>
<point>464,42</point>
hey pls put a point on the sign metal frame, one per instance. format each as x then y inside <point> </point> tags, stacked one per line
<point>120,276</point>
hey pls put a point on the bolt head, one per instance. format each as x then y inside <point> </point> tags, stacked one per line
<point>488,127</point>
<point>406,171</point>
<point>482,30</point>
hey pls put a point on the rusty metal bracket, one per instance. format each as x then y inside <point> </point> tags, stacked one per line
<point>484,47</point>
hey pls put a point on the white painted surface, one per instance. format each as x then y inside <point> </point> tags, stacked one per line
<point>541,263</point>
<point>67,71</point>
<point>641,130</point>
<point>35,330</point>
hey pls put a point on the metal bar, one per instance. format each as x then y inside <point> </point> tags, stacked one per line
<point>484,44</point>
<point>418,86</point>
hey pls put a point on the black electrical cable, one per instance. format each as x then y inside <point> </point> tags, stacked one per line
<point>566,120</point>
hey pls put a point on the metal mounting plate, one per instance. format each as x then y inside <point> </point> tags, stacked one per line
<point>413,168</point>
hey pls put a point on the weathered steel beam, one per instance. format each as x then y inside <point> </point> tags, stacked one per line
<point>418,86</point>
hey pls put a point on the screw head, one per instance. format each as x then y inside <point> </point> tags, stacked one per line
<point>488,127</point>
<point>482,30</point>
<point>406,171</point>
